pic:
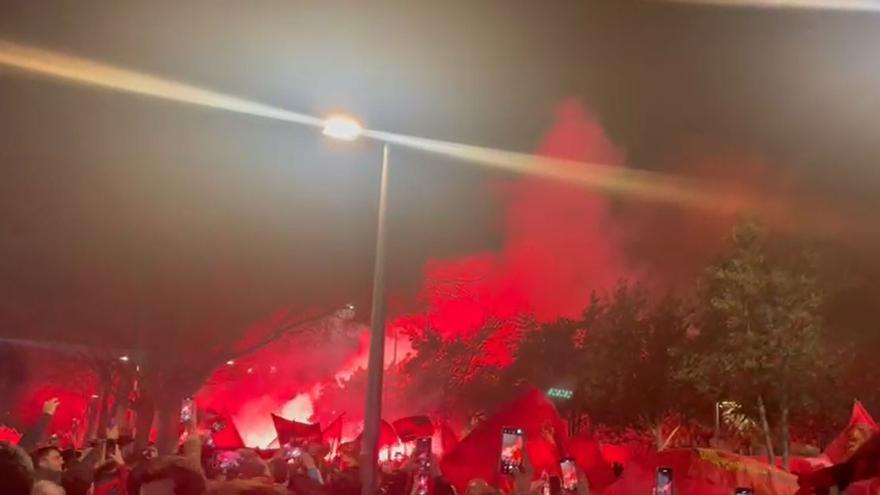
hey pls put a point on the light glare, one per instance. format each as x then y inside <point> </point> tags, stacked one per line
<point>340,127</point>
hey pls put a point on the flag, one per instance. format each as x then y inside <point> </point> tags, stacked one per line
<point>293,431</point>
<point>861,426</point>
<point>448,438</point>
<point>588,456</point>
<point>413,427</point>
<point>863,464</point>
<point>225,435</point>
<point>387,436</point>
<point>333,431</point>
<point>476,456</point>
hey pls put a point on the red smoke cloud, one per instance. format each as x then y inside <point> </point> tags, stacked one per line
<point>557,248</point>
<point>557,245</point>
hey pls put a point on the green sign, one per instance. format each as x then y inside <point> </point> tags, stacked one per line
<point>560,393</point>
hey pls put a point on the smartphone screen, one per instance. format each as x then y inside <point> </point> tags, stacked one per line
<point>423,483</point>
<point>187,410</point>
<point>512,444</point>
<point>569,474</point>
<point>227,461</point>
<point>663,485</point>
<point>743,491</point>
<point>291,452</point>
<point>422,452</point>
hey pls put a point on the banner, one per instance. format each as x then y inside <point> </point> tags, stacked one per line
<point>292,431</point>
<point>387,436</point>
<point>333,431</point>
<point>476,456</point>
<point>863,464</point>
<point>705,472</point>
<point>861,426</point>
<point>224,434</point>
<point>448,438</point>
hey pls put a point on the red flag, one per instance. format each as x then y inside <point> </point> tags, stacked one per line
<point>289,431</point>
<point>861,426</point>
<point>863,464</point>
<point>413,427</point>
<point>333,432</point>
<point>588,456</point>
<point>448,438</point>
<point>225,435</point>
<point>476,456</point>
<point>387,436</point>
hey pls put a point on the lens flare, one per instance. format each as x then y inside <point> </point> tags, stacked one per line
<point>852,5</point>
<point>97,74</point>
<point>646,185</point>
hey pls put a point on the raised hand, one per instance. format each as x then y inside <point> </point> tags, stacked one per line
<point>51,405</point>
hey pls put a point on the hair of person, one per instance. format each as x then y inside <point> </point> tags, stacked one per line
<point>78,478</point>
<point>280,470</point>
<point>187,477</point>
<point>16,470</point>
<point>251,465</point>
<point>42,452</point>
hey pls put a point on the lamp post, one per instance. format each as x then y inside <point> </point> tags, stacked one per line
<point>348,129</point>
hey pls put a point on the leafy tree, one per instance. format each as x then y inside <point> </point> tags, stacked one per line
<point>617,358</point>
<point>760,335</point>
<point>461,374</point>
<point>627,375</point>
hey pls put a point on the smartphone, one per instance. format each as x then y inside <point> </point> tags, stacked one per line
<point>227,461</point>
<point>663,485</point>
<point>291,452</point>
<point>512,445</point>
<point>422,453</point>
<point>423,483</point>
<point>569,474</point>
<point>187,410</point>
<point>743,491</point>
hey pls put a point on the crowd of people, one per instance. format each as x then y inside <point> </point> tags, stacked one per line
<point>112,465</point>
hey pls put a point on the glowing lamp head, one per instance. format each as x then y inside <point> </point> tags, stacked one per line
<point>341,127</point>
<point>124,359</point>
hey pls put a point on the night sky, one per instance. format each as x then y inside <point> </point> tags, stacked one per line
<point>121,211</point>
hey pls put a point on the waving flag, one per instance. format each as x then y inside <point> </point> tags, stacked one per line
<point>860,428</point>
<point>476,456</point>
<point>293,431</point>
<point>413,427</point>
<point>863,464</point>
<point>448,438</point>
<point>225,435</point>
<point>333,431</point>
<point>387,435</point>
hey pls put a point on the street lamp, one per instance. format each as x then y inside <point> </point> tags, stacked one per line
<point>342,127</point>
<point>348,129</point>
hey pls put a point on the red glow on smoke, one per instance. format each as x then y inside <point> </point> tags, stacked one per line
<point>556,249</point>
<point>557,246</point>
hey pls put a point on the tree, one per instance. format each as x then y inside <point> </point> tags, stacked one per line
<point>760,335</point>
<point>627,373</point>
<point>462,374</point>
